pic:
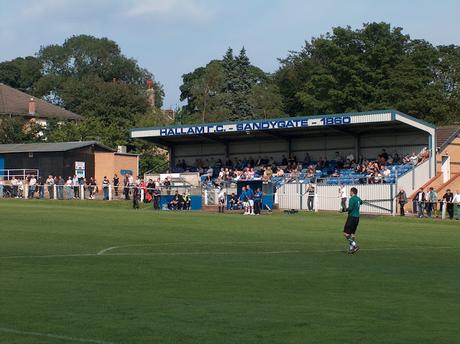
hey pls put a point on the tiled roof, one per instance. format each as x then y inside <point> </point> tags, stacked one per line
<point>15,102</point>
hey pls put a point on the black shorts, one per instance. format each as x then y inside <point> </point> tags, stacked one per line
<point>351,225</point>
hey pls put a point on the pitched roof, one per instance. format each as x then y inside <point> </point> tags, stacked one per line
<point>50,147</point>
<point>15,102</point>
<point>445,135</point>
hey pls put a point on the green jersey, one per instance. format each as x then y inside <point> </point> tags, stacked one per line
<point>353,206</point>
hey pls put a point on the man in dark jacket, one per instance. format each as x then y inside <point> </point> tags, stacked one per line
<point>449,204</point>
<point>402,201</point>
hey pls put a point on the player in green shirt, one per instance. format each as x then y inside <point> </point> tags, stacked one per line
<point>349,230</point>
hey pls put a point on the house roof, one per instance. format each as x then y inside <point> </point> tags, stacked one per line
<point>15,102</point>
<point>50,147</point>
<point>445,135</point>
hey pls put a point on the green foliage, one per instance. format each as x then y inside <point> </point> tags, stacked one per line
<point>228,89</point>
<point>21,73</point>
<point>17,130</point>
<point>153,161</point>
<point>370,68</point>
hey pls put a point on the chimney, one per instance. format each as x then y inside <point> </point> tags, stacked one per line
<point>150,93</point>
<point>32,106</point>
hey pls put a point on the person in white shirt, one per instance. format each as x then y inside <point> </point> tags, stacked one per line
<point>68,187</point>
<point>222,200</point>
<point>32,185</point>
<point>343,198</point>
<point>50,184</point>
<point>456,200</point>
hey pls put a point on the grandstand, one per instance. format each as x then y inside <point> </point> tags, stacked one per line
<point>379,151</point>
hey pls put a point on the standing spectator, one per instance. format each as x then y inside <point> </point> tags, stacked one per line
<point>32,186</point>
<point>448,200</point>
<point>250,196</point>
<point>105,188</point>
<point>116,183</point>
<point>311,196</point>
<point>343,198</point>
<point>69,188</point>
<point>156,196</point>
<point>126,187</point>
<point>1,187</point>
<point>402,201</point>
<point>41,187</point>
<point>76,186</point>
<point>167,185</point>
<point>50,185</point>
<point>244,200</point>
<point>92,185</point>
<point>20,188</point>
<point>421,199</point>
<point>60,187</point>
<point>222,200</point>
<point>15,187</point>
<point>431,198</point>
<point>456,200</point>
<point>258,201</point>
<point>136,197</point>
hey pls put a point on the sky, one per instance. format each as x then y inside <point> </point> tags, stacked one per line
<point>173,37</point>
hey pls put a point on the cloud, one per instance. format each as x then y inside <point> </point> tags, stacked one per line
<point>191,9</point>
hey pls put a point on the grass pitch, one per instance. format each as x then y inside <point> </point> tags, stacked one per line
<point>164,277</point>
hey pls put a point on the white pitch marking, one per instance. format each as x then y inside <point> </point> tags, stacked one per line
<point>185,243</point>
<point>54,336</point>
<point>230,253</point>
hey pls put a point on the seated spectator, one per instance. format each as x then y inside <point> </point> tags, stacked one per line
<point>268,174</point>
<point>177,202</point>
<point>187,201</point>
<point>234,202</point>
<point>284,161</point>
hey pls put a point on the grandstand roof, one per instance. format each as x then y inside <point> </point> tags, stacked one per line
<point>350,123</point>
<point>50,147</point>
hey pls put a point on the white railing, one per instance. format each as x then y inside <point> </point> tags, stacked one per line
<point>379,197</point>
<point>8,174</point>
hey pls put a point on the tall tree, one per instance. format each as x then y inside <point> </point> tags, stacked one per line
<point>374,67</point>
<point>238,82</point>
<point>21,73</point>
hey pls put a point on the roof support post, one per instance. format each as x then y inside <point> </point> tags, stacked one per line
<point>172,157</point>
<point>227,151</point>
<point>357,146</point>
<point>289,147</point>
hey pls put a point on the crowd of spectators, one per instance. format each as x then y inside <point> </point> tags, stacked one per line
<point>369,171</point>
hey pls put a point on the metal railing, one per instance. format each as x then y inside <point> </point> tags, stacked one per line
<point>8,174</point>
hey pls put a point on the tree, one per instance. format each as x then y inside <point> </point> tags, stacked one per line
<point>238,82</point>
<point>21,73</point>
<point>371,68</point>
<point>228,89</point>
<point>266,101</point>
<point>15,129</point>
<point>202,90</point>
